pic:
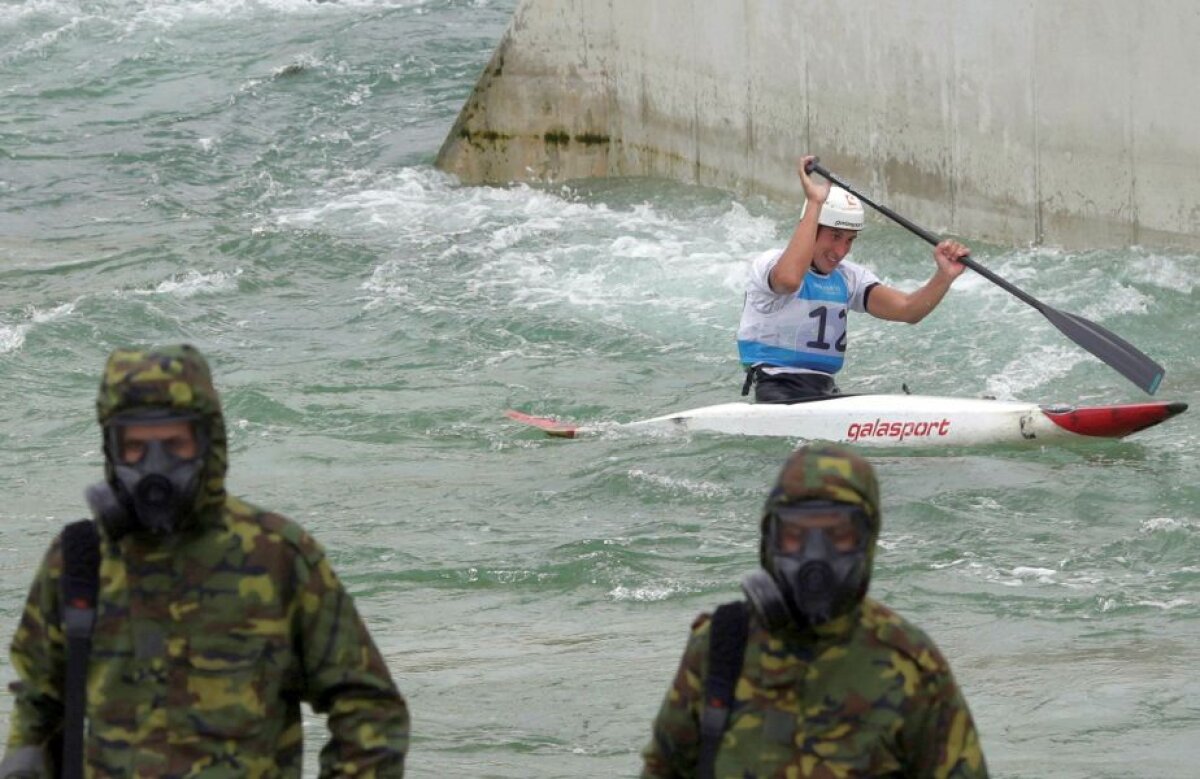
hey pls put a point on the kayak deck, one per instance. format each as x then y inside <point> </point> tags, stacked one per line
<point>896,420</point>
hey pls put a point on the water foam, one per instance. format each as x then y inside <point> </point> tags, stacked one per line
<point>673,484</point>
<point>1165,524</point>
<point>531,249</point>
<point>1033,368</point>
<point>38,45</point>
<point>1176,275</point>
<point>194,283</point>
<point>12,337</point>
<point>1166,605</point>
<point>170,13</point>
<point>646,594</point>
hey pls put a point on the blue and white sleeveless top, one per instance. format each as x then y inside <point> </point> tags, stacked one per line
<point>803,331</point>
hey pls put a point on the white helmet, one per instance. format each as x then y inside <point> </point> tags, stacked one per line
<point>841,210</point>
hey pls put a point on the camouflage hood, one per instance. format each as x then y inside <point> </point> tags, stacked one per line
<point>174,378</point>
<point>825,472</point>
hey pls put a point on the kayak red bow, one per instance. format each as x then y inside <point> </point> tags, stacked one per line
<point>1112,421</point>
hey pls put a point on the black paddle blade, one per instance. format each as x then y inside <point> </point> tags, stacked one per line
<point>1121,355</point>
<point>1125,358</point>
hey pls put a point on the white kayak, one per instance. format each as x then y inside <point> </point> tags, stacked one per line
<point>897,420</point>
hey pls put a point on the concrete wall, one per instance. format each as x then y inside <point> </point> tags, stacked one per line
<point>1062,122</point>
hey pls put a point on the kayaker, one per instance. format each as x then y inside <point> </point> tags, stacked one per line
<point>809,677</point>
<point>792,336</point>
<point>213,618</point>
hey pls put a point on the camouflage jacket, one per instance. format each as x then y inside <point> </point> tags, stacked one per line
<point>868,696</point>
<point>203,649</point>
<point>206,639</point>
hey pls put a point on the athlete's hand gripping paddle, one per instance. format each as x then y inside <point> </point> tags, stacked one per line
<point>1118,353</point>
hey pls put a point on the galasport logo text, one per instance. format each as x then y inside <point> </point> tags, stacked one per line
<point>882,428</point>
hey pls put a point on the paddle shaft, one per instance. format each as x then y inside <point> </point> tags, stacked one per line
<point>1118,353</point>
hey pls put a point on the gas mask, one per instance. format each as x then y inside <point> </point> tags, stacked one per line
<point>816,564</point>
<point>156,460</point>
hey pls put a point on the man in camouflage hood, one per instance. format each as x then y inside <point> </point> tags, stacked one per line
<point>831,683</point>
<point>214,619</point>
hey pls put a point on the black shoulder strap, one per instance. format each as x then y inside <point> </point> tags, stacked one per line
<point>726,648</point>
<point>80,585</point>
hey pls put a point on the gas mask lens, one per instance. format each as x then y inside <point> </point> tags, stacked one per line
<point>169,439</point>
<point>841,528</point>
